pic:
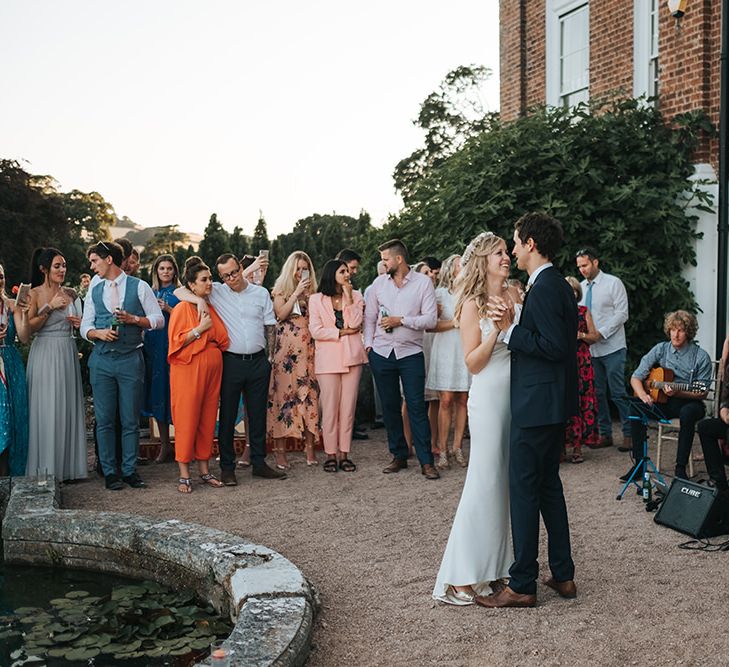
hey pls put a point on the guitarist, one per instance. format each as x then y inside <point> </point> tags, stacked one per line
<point>690,364</point>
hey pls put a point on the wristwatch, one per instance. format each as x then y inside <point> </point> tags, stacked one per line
<point>136,319</point>
<point>196,333</point>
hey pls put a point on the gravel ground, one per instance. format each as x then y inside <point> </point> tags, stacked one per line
<point>371,544</point>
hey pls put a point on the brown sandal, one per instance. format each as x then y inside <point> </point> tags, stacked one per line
<point>577,457</point>
<point>184,485</point>
<point>211,480</point>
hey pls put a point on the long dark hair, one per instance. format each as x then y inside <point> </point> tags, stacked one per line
<point>42,257</point>
<point>155,266</point>
<point>193,266</point>
<point>328,280</point>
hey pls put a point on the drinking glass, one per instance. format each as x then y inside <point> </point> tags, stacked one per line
<point>72,311</point>
<point>3,324</point>
<point>219,655</point>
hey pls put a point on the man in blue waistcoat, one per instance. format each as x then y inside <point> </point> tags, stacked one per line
<point>118,310</point>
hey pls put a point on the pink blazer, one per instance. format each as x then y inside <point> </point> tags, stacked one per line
<point>335,354</point>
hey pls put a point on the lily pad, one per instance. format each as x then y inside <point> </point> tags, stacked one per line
<point>82,654</point>
<point>26,611</point>
<point>77,594</point>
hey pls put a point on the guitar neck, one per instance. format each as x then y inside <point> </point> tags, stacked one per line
<point>677,386</point>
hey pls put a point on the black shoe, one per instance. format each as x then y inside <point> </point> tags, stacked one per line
<point>267,472</point>
<point>135,481</point>
<point>228,477</point>
<point>377,424</point>
<point>359,435</point>
<point>680,472</point>
<point>627,475</point>
<point>113,483</point>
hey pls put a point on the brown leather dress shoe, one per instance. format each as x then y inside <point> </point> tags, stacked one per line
<point>627,445</point>
<point>430,471</point>
<point>396,465</point>
<point>506,598</point>
<point>566,589</point>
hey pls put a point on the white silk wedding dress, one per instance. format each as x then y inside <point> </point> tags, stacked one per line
<point>479,547</point>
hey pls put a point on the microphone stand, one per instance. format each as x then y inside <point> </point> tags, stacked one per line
<point>647,412</point>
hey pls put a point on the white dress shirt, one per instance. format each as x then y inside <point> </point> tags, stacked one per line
<point>609,312</point>
<point>244,314</point>
<point>146,297</point>
<point>506,336</point>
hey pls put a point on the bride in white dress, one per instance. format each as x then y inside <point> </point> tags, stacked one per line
<point>479,553</point>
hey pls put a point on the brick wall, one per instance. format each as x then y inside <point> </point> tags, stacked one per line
<point>688,57</point>
<point>611,47</point>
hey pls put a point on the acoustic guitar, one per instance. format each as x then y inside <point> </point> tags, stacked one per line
<point>659,378</point>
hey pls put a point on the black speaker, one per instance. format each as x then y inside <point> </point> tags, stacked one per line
<point>693,509</point>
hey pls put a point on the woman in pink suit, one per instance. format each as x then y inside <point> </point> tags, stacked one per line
<point>335,320</point>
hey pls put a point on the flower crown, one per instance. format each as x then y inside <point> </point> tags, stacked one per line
<point>475,247</point>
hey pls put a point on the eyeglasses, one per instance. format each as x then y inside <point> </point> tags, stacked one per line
<point>229,276</point>
<point>585,252</point>
<point>106,247</point>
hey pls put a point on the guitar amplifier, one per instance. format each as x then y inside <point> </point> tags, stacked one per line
<point>693,509</point>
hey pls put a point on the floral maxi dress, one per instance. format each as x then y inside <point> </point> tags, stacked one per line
<point>293,398</point>
<point>582,428</point>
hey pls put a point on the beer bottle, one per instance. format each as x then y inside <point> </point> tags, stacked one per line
<point>647,487</point>
<point>384,313</point>
<point>114,321</point>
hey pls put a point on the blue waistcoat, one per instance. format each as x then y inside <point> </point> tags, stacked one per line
<point>130,335</point>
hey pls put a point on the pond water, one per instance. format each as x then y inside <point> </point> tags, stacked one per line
<point>58,617</point>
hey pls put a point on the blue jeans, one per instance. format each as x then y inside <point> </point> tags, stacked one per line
<point>388,373</point>
<point>117,380</point>
<point>610,375</point>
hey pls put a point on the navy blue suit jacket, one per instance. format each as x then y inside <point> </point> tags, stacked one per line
<point>544,354</point>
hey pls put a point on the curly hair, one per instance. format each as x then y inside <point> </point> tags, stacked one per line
<point>472,281</point>
<point>681,319</point>
<point>544,230</point>
<point>447,276</point>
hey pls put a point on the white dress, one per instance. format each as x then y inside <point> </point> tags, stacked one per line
<point>447,370</point>
<point>479,547</point>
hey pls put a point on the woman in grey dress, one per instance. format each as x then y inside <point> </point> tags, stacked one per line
<point>57,430</point>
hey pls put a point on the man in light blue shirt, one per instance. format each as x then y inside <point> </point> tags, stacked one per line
<point>692,368</point>
<point>605,297</point>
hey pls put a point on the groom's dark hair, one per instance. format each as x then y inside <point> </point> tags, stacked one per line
<point>544,230</point>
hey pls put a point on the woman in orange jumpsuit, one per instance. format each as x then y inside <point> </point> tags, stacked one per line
<point>196,367</point>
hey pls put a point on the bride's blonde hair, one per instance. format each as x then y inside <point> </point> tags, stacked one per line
<point>472,281</point>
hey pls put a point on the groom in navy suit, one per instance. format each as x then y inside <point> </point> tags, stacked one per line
<point>543,396</point>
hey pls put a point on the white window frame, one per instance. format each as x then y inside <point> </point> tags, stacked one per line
<point>555,10</point>
<point>642,84</point>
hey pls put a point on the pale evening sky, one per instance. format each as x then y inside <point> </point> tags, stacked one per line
<point>174,109</point>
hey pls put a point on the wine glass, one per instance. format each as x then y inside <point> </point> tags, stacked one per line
<point>71,311</point>
<point>3,324</point>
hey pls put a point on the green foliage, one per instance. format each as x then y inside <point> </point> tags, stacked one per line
<point>323,236</point>
<point>260,236</point>
<point>34,213</point>
<point>215,242</point>
<point>616,176</point>
<point>448,116</point>
<point>166,240</point>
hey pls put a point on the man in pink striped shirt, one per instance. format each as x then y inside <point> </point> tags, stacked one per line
<point>400,305</point>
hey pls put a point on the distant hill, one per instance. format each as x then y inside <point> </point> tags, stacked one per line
<point>140,236</point>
